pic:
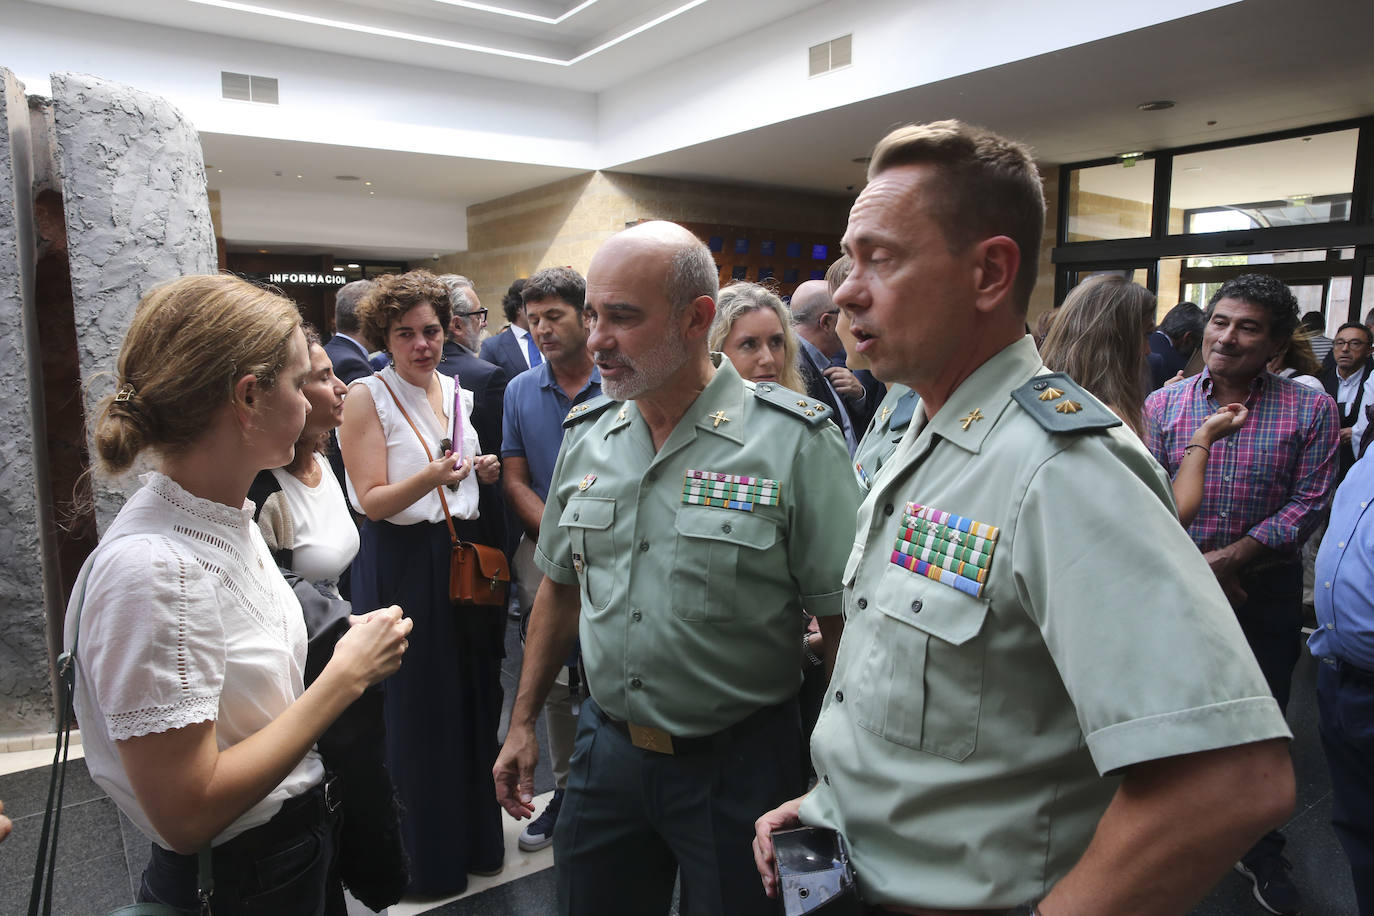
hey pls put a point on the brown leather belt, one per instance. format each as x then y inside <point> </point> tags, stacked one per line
<point>650,738</point>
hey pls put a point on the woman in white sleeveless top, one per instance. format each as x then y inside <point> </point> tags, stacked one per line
<point>407,435</point>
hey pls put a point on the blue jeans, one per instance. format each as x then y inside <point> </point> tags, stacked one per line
<point>1345,704</point>
<point>288,865</point>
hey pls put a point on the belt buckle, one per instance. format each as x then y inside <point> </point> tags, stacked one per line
<point>648,738</point>
<point>331,795</point>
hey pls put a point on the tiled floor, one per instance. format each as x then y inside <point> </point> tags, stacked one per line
<point>102,854</point>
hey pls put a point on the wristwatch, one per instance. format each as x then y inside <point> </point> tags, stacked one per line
<point>811,657</point>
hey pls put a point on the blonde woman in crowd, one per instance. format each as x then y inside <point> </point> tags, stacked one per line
<point>753,329</point>
<point>189,682</point>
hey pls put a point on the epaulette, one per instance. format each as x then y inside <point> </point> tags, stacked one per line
<point>785,399</point>
<point>588,408</point>
<point>1061,405</point>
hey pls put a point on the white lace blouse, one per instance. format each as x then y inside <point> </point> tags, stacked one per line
<point>186,620</point>
<point>405,457</point>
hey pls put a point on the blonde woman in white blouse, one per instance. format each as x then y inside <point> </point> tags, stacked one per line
<point>189,674</point>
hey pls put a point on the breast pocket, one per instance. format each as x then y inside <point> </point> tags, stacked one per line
<point>711,547</point>
<point>590,523</point>
<point>922,677</point>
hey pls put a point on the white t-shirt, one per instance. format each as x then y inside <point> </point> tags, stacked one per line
<point>405,457</point>
<point>326,539</point>
<point>185,620</point>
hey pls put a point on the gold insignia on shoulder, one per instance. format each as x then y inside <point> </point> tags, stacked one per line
<point>886,411</point>
<point>974,416</point>
<point>1049,394</point>
<point>801,403</point>
<point>810,413</point>
<point>621,415</point>
<point>720,417</point>
<point>1068,407</point>
<point>818,407</point>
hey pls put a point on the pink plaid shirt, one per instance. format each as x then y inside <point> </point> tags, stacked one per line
<point>1271,480</point>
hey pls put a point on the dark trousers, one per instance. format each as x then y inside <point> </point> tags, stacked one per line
<point>632,819</point>
<point>1271,619</point>
<point>287,865</point>
<point>1345,703</point>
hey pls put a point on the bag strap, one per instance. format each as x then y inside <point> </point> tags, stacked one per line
<point>46,861</point>
<point>448,516</point>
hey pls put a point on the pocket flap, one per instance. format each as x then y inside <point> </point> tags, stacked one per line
<point>588,512</point>
<point>939,610</point>
<point>740,528</point>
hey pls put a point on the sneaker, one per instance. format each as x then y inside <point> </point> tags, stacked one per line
<point>1272,887</point>
<point>540,832</point>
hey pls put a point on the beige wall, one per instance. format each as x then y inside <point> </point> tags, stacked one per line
<point>563,223</point>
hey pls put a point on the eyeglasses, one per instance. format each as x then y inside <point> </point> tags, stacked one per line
<point>1344,342</point>
<point>482,312</point>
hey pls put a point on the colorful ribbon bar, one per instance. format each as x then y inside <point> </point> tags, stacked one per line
<point>729,491</point>
<point>948,548</point>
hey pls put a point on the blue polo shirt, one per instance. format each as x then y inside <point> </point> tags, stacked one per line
<point>533,416</point>
<point>1344,594</point>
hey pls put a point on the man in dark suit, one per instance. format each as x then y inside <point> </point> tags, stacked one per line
<point>487,383</point>
<point>514,350</point>
<point>345,349</point>
<point>1345,382</point>
<point>822,361</point>
<point>1173,342</point>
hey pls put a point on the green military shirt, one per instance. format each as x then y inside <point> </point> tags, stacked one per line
<point>975,719</point>
<point>884,431</point>
<point>692,586</point>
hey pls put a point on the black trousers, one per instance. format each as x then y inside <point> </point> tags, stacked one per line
<point>287,865</point>
<point>1271,619</point>
<point>1345,702</point>
<point>632,819</point>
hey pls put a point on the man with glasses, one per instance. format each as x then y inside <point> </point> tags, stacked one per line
<point>486,381</point>
<point>852,396</point>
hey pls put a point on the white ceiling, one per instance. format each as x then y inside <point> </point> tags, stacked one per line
<point>1241,69</point>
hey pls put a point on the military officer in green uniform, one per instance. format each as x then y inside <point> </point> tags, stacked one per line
<point>692,516</point>
<point>1042,702</point>
<point>884,432</point>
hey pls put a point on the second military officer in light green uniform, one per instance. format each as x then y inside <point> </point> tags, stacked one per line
<point>691,518</point>
<point>1042,702</point>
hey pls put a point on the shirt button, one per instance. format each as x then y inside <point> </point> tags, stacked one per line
<point>839,696</point>
<point>826,777</point>
<point>916,606</point>
<point>727,528</point>
<point>1341,544</point>
<point>1331,626</point>
<point>636,615</point>
<point>887,510</point>
<point>643,546</point>
<point>1227,478</point>
<point>576,516</point>
<point>1326,585</point>
<point>862,603</point>
<point>636,683</point>
<point>1222,514</point>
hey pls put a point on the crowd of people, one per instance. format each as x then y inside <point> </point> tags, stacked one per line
<point>1015,615</point>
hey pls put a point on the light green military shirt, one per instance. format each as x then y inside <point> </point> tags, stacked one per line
<point>884,432</point>
<point>694,563</point>
<point>967,745</point>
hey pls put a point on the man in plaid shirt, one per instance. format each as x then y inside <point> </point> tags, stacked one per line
<point>1267,487</point>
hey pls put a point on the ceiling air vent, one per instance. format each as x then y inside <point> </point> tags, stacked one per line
<point>831,55</point>
<point>243,87</point>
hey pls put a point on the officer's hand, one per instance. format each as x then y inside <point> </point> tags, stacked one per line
<point>514,772</point>
<point>845,382</point>
<point>783,817</point>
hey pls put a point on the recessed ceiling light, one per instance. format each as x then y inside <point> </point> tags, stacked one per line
<point>220,171</point>
<point>338,267</point>
<point>354,266</point>
<point>368,183</point>
<point>300,176</point>
<point>262,251</point>
<point>1156,105</point>
<point>346,178</point>
<point>371,193</point>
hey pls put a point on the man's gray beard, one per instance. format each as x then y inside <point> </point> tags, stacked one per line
<point>651,370</point>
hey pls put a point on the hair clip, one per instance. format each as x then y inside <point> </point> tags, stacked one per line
<point>125,393</point>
